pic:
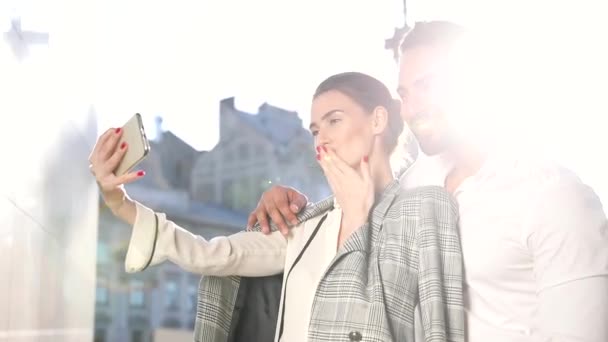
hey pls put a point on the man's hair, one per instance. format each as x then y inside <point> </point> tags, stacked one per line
<point>429,33</point>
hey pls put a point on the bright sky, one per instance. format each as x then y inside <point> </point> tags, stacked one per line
<point>180,60</point>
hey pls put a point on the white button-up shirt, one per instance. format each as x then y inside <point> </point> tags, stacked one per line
<point>535,247</point>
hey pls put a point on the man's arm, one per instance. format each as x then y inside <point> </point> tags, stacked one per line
<point>568,237</point>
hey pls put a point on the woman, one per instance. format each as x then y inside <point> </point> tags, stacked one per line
<point>357,264</point>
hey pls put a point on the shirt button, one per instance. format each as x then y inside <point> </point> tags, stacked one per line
<point>355,336</point>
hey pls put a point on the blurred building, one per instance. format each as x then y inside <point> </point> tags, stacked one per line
<point>131,307</point>
<point>255,151</point>
<point>208,193</point>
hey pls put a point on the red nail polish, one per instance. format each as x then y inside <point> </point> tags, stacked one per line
<point>318,157</point>
<point>365,159</point>
<point>318,149</point>
<point>325,149</point>
<point>141,173</point>
<point>118,130</point>
<point>123,145</point>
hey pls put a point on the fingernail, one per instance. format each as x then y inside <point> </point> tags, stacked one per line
<point>294,222</point>
<point>318,157</point>
<point>141,173</point>
<point>365,159</point>
<point>318,149</point>
<point>118,130</point>
<point>123,145</point>
<point>294,208</point>
<point>324,148</point>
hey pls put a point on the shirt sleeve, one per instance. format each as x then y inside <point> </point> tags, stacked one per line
<point>440,269</point>
<point>568,238</point>
<point>155,239</point>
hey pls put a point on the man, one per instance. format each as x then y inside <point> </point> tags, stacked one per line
<point>534,238</point>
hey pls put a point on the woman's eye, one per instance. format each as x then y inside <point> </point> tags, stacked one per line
<point>334,121</point>
<point>314,133</point>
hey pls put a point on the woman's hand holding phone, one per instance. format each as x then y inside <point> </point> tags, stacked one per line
<point>104,159</point>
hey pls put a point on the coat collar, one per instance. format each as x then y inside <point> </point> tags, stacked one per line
<point>362,238</point>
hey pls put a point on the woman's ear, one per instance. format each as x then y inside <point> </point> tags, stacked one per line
<point>379,120</point>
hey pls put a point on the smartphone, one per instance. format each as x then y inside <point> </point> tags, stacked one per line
<point>138,145</point>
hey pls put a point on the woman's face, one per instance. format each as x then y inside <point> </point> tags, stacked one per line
<point>340,124</point>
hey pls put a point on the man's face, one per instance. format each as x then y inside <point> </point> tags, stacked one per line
<point>423,88</point>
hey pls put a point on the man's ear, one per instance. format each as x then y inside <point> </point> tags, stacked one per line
<point>379,120</point>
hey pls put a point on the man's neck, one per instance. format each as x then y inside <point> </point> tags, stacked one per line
<point>466,160</point>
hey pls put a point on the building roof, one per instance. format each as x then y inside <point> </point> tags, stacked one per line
<point>174,138</point>
<point>278,125</point>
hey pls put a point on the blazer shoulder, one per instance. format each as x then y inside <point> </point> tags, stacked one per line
<point>418,200</point>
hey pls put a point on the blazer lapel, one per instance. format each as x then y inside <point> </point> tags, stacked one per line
<point>362,239</point>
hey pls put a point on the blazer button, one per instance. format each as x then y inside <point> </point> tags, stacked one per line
<point>355,336</point>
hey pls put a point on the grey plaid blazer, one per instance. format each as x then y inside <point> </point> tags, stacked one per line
<point>407,255</point>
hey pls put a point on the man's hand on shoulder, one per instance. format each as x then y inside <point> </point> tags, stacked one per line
<point>280,205</point>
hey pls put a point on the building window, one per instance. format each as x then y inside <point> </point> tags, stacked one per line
<point>227,193</point>
<point>101,295</point>
<point>100,335</point>
<point>137,336</point>
<point>243,199</point>
<point>171,323</point>
<point>171,295</point>
<point>179,169</point>
<point>237,195</point>
<point>136,293</point>
<point>243,152</point>
<point>261,184</point>
<point>228,155</point>
<point>192,296</point>
<point>206,193</point>
<point>203,171</point>
<point>103,254</point>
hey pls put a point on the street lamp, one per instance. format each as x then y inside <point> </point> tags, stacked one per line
<point>393,42</point>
